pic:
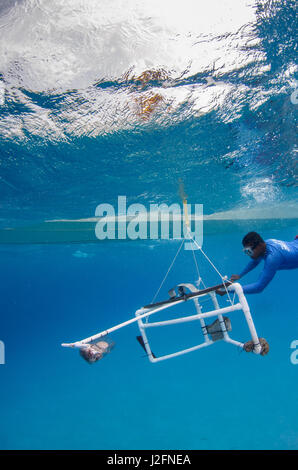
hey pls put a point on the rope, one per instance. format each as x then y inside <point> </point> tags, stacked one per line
<point>200,280</point>
<point>214,267</point>
<point>167,273</point>
<point>189,236</point>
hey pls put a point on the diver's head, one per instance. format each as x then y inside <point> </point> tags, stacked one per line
<point>253,245</point>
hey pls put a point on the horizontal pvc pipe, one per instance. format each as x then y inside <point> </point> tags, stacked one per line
<point>186,351</point>
<point>212,313</point>
<point>180,353</point>
<point>232,341</point>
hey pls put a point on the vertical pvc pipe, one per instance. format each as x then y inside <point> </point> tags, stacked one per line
<point>202,321</point>
<point>145,339</point>
<point>220,317</point>
<point>238,289</point>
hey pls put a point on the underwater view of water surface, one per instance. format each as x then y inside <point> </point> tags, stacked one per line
<point>154,102</point>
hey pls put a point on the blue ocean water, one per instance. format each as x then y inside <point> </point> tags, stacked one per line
<point>98,102</point>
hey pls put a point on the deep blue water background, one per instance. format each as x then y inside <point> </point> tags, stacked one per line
<point>66,146</point>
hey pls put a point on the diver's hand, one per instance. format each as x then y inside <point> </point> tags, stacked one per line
<point>220,292</point>
<point>234,277</point>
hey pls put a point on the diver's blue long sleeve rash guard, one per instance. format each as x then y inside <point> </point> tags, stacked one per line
<point>278,255</point>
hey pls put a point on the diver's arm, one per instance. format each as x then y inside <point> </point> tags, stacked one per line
<point>250,266</point>
<point>266,276</point>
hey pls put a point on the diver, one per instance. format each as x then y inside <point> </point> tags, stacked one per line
<point>277,255</point>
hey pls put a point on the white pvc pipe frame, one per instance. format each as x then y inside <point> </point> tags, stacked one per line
<point>145,313</point>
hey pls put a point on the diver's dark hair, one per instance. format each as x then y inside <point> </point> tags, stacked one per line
<point>252,239</point>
